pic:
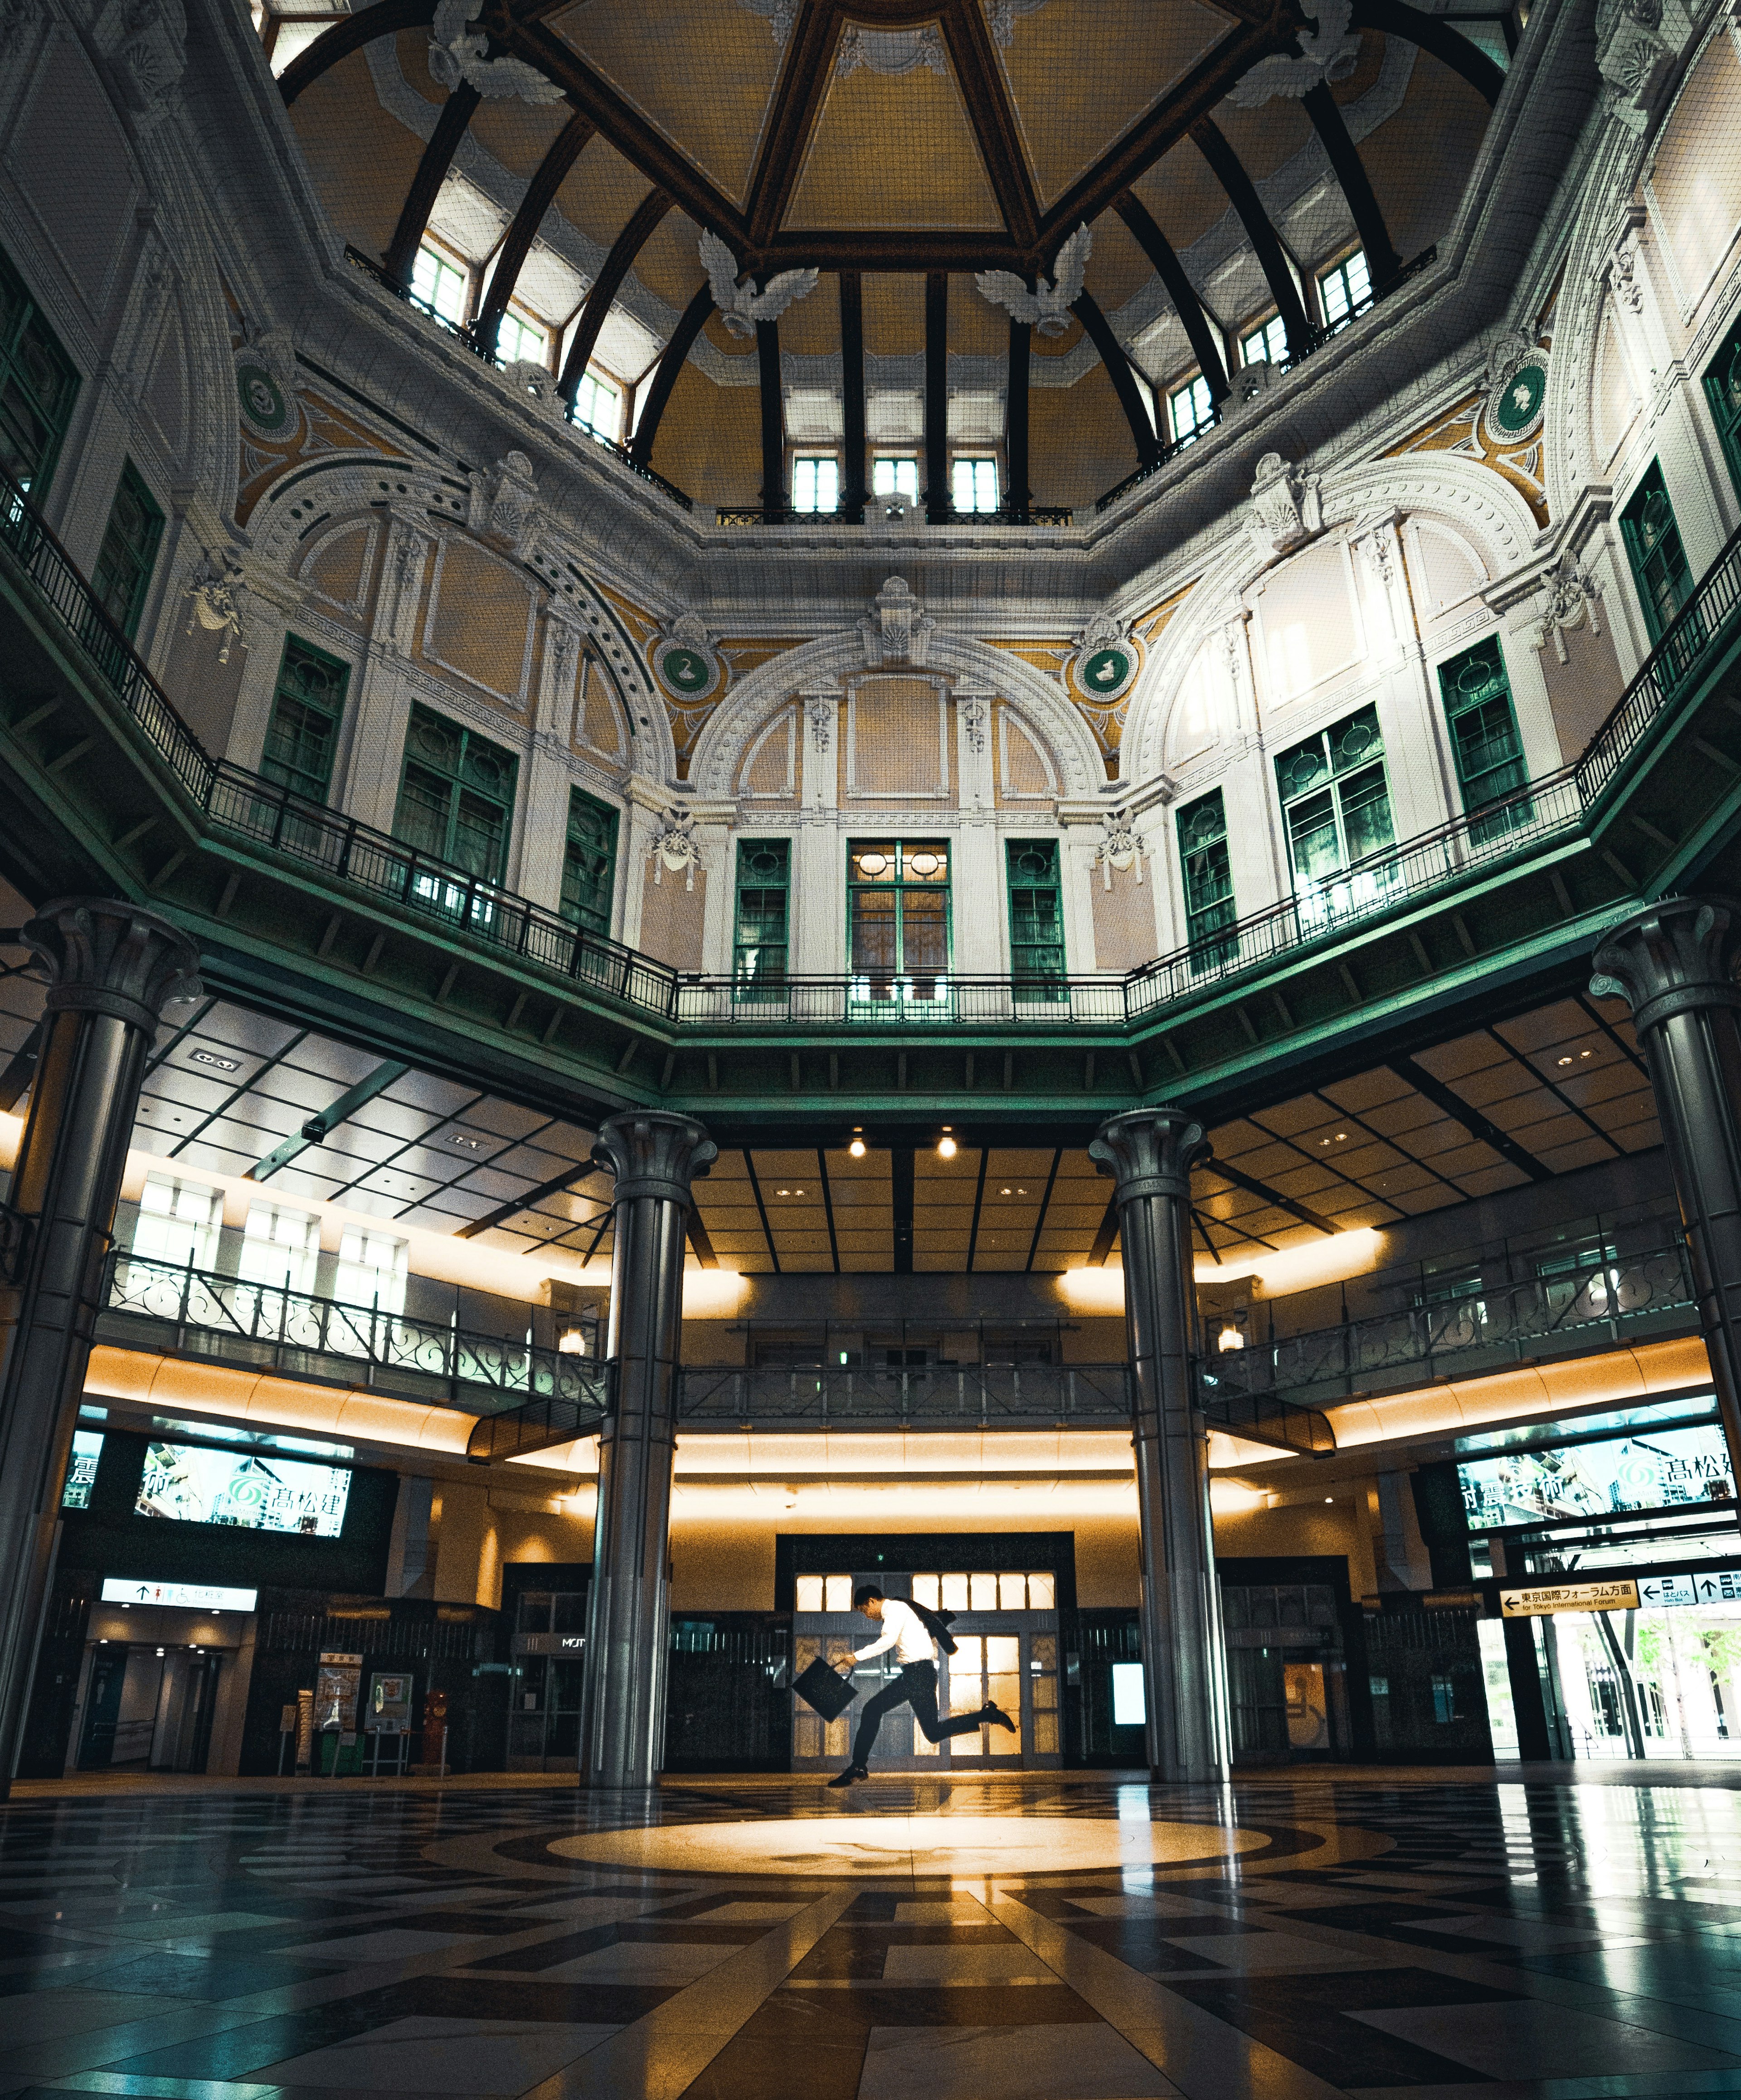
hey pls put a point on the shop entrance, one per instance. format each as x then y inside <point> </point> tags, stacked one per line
<point>149,1708</point>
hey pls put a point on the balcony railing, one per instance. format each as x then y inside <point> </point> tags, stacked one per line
<point>1048,514</point>
<point>197,1312</point>
<point>1563,1313</point>
<point>273,818</point>
<point>938,1396</point>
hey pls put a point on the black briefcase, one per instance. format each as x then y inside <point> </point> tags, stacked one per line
<point>825,1689</point>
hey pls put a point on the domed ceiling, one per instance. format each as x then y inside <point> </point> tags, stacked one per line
<point>574,169</point>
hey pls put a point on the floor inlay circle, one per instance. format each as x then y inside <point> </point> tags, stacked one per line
<point>846,1844</point>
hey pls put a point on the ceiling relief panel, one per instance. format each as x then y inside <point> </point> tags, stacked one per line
<point>893,150</point>
<point>1080,72</point>
<point>704,76</point>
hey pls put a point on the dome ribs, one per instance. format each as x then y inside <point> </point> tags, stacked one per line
<point>1230,172</point>
<point>401,254</point>
<point>1205,337</point>
<point>618,263</point>
<point>517,243</point>
<point>1382,258</point>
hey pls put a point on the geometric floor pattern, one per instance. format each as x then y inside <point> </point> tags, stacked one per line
<point>1389,1938</point>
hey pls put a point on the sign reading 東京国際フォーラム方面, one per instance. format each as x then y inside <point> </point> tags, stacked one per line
<point>1535,1603</point>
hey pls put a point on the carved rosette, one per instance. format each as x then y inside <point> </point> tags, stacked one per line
<point>1150,1151</point>
<point>107,957</point>
<point>654,1152</point>
<point>1676,956</point>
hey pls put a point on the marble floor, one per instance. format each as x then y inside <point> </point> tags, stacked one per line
<point>998,1938</point>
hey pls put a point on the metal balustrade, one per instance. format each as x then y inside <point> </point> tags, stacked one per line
<point>936,1396</point>
<point>191,1311</point>
<point>1581,1308</point>
<point>272,818</point>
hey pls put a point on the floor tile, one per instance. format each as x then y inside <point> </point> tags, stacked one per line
<point>1010,2063</point>
<point>1527,2040</point>
<point>443,2056</point>
<point>964,1965</point>
<point>392,1945</point>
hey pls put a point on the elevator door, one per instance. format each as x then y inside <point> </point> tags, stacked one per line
<point>147,1708</point>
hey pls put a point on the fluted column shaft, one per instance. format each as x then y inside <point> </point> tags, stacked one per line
<point>623,1710</point>
<point>1674,965</point>
<point>113,970</point>
<point>1149,1153</point>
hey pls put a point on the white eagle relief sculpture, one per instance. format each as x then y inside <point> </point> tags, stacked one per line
<point>1046,308</point>
<point>457,59</point>
<point>741,305</point>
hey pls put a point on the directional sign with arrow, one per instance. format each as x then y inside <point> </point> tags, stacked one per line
<point>1537,1604</point>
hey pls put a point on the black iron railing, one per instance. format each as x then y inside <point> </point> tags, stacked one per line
<point>1016,1396</point>
<point>273,819</point>
<point>1702,622</point>
<point>1051,515</point>
<point>199,1313</point>
<point>1582,1307</point>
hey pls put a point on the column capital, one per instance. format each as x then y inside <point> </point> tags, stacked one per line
<point>1677,954</point>
<point>106,956</point>
<point>1149,1152</point>
<point>654,1152</point>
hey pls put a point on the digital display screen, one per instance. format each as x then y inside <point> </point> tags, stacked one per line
<point>81,1469</point>
<point>1130,1709</point>
<point>1654,1470</point>
<point>189,1484</point>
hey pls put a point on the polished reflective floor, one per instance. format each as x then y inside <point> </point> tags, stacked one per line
<point>998,1938</point>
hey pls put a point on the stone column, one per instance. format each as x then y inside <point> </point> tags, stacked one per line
<point>1149,1153</point>
<point>1673,963</point>
<point>653,1156</point>
<point>112,969</point>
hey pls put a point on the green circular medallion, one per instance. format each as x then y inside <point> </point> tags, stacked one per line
<point>1107,673</point>
<point>686,670</point>
<point>262,399</point>
<point>1519,402</point>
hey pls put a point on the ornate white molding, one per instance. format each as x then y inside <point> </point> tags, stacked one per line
<point>891,51</point>
<point>1121,846</point>
<point>503,502</point>
<point>1287,507</point>
<point>1639,47</point>
<point>974,716</point>
<point>1571,597</point>
<point>145,42</point>
<point>675,847</point>
<point>897,629</point>
<point>457,59</point>
<point>741,307</point>
<point>216,593</point>
<point>779,15</point>
<point>1048,306</point>
<point>819,712</point>
<point>1328,52</point>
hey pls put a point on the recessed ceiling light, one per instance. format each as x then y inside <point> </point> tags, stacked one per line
<point>462,1138</point>
<point>217,1063</point>
<point>1565,1061</point>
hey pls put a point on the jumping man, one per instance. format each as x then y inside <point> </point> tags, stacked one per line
<point>907,1633</point>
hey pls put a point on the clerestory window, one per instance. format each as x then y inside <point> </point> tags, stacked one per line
<point>1345,290</point>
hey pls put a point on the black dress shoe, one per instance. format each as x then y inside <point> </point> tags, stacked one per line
<point>996,1716</point>
<point>852,1772</point>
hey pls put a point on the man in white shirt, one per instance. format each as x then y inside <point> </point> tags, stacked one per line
<point>906,1633</point>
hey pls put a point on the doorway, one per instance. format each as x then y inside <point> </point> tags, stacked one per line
<point>149,1708</point>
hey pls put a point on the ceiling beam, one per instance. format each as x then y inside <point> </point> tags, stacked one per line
<point>1382,261</point>
<point>967,37</point>
<point>797,98</point>
<point>1199,325</point>
<point>517,245</point>
<point>1229,171</point>
<point>1396,17</point>
<point>938,505</point>
<point>1130,157</point>
<point>609,282</point>
<point>772,420</point>
<point>677,351</point>
<point>318,1128</point>
<point>888,251</point>
<point>1261,1190</point>
<point>387,18</point>
<point>1471,1119</point>
<point>1018,495</point>
<point>854,490</point>
<point>624,127</point>
<point>1118,370</point>
<point>555,1186</point>
<point>400,257</point>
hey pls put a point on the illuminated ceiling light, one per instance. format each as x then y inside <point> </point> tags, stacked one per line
<point>1565,1061</point>
<point>1231,1337</point>
<point>945,1147</point>
<point>1006,1192</point>
<point>856,1148</point>
<point>573,1342</point>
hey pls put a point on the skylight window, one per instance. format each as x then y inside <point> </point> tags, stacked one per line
<point>973,485</point>
<point>894,475</point>
<point>1191,409</point>
<point>521,341</point>
<point>1267,344</point>
<point>598,404</point>
<point>443,286</point>
<point>816,483</point>
<point>1346,290</point>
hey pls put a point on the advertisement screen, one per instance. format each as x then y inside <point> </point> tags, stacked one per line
<point>81,1469</point>
<point>1653,1470</point>
<point>190,1484</point>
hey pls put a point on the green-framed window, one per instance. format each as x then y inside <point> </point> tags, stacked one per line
<point>1484,740</point>
<point>1208,875</point>
<point>1266,344</point>
<point>301,739</point>
<point>1036,918</point>
<point>1336,810</point>
<point>1654,548</point>
<point>1722,387</point>
<point>898,919</point>
<point>1345,290</point>
<point>589,862</point>
<point>38,385</point>
<point>456,799</point>
<point>128,552</point>
<point>1191,409</point>
<point>761,926</point>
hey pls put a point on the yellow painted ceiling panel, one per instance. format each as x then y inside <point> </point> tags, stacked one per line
<point>893,151</point>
